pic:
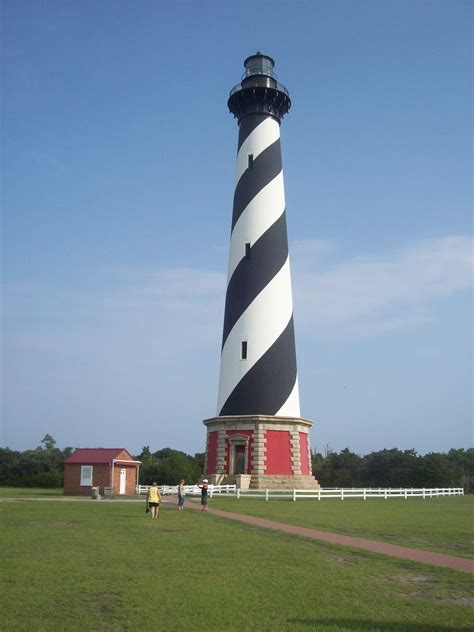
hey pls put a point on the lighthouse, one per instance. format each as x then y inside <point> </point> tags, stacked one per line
<point>258,438</point>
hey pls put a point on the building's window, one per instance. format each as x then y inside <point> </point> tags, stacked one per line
<point>86,475</point>
<point>250,161</point>
<point>247,250</point>
<point>243,350</point>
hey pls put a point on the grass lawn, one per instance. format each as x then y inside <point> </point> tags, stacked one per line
<point>108,566</point>
<point>444,524</point>
<point>30,492</point>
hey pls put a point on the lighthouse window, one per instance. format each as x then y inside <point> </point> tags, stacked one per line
<point>250,161</point>
<point>247,250</point>
<point>243,350</point>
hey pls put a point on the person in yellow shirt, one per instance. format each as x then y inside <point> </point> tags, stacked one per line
<point>153,500</point>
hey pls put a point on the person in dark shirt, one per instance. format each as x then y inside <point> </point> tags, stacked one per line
<point>181,494</point>
<point>204,486</point>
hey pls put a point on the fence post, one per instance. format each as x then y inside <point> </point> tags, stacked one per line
<point>365,494</point>
<point>385,494</point>
<point>294,495</point>
<point>342,494</point>
<point>406,494</point>
<point>266,494</point>
<point>319,493</point>
<point>238,493</point>
<point>212,490</point>
<point>424,493</point>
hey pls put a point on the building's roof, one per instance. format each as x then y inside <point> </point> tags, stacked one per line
<point>89,456</point>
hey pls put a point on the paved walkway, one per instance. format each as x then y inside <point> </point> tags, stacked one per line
<point>417,555</point>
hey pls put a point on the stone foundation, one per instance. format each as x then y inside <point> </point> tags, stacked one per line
<point>284,482</point>
<point>273,451</point>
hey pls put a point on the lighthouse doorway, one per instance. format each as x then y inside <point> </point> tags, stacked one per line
<point>238,453</point>
<point>239,459</point>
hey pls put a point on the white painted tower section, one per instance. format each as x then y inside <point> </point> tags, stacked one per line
<point>270,312</point>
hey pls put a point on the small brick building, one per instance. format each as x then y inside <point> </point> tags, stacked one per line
<point>100,467</point>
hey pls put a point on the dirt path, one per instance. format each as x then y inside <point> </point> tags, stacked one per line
<point>417,555</point>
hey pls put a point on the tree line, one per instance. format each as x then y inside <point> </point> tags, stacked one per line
<point>168,466</point>
<point>44,467</point>
<point>395,468</point>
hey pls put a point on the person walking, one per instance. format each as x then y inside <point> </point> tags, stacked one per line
<point>153,500</point>
<point>204,486</point>
<point>181,495</point>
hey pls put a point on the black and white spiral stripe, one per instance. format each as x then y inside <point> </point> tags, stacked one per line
<point>259,307</point>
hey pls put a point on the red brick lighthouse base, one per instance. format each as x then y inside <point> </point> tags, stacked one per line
<point>259,451</point>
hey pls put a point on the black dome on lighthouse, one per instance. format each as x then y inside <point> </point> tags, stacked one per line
<point>259,91</point>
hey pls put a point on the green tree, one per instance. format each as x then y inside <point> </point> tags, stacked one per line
<point>392,468</point>
<point>317,462</point>
<point>439,471</point>
<point>175,465</point>
<point>48,442</point>
<point>199,459</point>
<point>145,454</point>
<point>168,466</point>
<point>463,460</point>
<point>340,470</point>
<point>8,466</point>
<point>43,467</point>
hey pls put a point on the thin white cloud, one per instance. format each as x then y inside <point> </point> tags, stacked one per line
<point>374,294</point>
<point>128,311</point>
<point>170,311</point>
<point>144,344</point>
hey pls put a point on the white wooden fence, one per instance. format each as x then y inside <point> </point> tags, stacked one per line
<point>191,490</point>
<point>318,494</point>
<point>363,492</point>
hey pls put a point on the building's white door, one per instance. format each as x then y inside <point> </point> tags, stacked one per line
<point>123,481</point>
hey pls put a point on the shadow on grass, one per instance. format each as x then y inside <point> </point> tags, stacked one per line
<point>386,626</point>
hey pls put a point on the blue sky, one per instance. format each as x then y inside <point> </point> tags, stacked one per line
<point>118,173</point>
